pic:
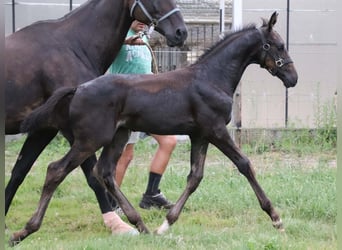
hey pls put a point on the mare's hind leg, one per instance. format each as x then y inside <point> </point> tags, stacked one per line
<point>56,173</point>
<point>199,148</point>
<point>100,192</point>
<point>105,171</point>
<point>223,141</point>
<point>110,218</point>
<point>34,144</point>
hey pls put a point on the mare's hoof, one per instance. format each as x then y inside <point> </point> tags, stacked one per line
<point>131,232</point>
<point>124,229</point>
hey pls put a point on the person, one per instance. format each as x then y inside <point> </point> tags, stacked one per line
<point>135,57</point>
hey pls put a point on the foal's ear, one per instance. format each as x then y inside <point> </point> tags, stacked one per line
<point>272,21</point>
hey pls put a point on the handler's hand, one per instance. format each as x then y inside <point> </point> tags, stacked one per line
<point>134,40</point>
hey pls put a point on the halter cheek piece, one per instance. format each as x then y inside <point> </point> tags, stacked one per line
<point>278,61</point>
<point>153,21</point>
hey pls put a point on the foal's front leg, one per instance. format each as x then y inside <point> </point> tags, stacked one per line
<point>198,153</point>
<point>223,141</point>
<point>105,171</point>
<point>56,173</point>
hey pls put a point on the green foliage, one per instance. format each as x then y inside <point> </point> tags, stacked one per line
<point>297,141</point>
<point>323,137</point>
<point>325,121</point>
<point>223,213</point>
<point>325,117</point>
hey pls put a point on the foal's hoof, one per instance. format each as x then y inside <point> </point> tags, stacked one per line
<point>13,241</point>
<point>163,228</point>
<point>279,225</point>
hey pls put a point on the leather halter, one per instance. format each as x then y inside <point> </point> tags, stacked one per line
<point>153,21</point>
<point>278,61</point>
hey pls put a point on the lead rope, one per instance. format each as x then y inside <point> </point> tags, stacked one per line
<point>154,60</point>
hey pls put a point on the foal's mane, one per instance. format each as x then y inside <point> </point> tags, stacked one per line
<point>226,39</point>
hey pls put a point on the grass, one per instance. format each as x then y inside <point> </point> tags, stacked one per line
<point>223,213</point>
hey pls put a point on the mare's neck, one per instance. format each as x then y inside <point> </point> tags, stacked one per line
<point>101,26</point>
<point>227,63</point>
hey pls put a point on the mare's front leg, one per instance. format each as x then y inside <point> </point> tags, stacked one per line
<point>199,147</point>
<point>34,144</point>
<point>222,140</point>
<point>105,172</point>
<point>56,173</point>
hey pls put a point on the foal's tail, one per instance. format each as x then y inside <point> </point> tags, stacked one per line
<point>54,113</point>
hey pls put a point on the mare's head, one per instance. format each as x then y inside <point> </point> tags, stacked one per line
<point>273,55</point>
<point>164,16</point>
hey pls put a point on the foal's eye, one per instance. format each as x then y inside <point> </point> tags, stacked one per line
<point>281,47</point>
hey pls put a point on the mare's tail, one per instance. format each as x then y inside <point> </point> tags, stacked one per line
<point>54,113</point>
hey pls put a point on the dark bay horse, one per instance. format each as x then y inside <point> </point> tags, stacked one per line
<point>195,100</point>
<point>76,48</point>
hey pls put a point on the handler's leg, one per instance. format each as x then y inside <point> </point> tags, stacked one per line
<point>153,197</point>
<point>124,161</point>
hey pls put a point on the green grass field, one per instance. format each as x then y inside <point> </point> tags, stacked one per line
<point>223,213</point>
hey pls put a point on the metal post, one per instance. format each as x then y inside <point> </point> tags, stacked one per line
<point>236,112</point>
<point>287,47</point>
<point>237,14</point>
<point>221,18</point>
<point>70,6</point>
<point>13,16</point>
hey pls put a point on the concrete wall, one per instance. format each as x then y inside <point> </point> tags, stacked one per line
<point>29,11</point>
<point>313,48</point>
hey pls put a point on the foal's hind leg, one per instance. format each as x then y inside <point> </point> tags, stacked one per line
<point>56,173</point>
<point>198,153</point>
<point>223,141</point>
<point>105,171</point>
<point>33,146</point>
<point>87,168</point>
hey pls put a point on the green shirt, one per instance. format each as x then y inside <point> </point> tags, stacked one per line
<point>132,59</point>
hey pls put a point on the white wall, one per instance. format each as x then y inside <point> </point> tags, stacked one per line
<point>29,11</point>
<point>313,48</point>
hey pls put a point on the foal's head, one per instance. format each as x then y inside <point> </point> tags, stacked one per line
<point>273,55</point>
<point>164,16</point>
